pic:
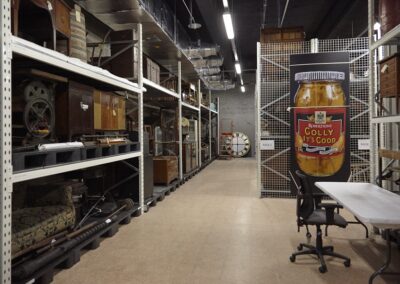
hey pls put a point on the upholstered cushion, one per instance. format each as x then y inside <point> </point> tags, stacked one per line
<point>51,211</point>
<point>32,225</point>
<point>318,217</point>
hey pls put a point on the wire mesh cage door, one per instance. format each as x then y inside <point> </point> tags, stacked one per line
<point>273,100</point>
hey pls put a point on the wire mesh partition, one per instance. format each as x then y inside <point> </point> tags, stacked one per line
<point>274,118</point>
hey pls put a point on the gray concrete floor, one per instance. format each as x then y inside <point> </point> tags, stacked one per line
<point>216,229</point>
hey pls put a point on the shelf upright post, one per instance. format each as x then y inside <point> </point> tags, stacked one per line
<point>180,120</point>
<point>199,100</point>
<point>209,126</point>
<point>218,133</point>
<point>372,107</point>
<point>258,117</point>
<point>140,117</point>
<point>5,143</point>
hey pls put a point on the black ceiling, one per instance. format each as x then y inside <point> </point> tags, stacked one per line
<point>320,19</point>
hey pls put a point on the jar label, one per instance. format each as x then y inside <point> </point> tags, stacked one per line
<point>320,132</point>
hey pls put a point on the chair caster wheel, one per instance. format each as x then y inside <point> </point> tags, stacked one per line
<point>347,263</point>
<point>308,235</point>
<point>322,269</point>
<point>300,248</point>
<point>292,258</point>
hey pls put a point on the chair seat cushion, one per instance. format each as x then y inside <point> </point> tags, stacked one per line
<point>318,217</point>
<point>32,225</point>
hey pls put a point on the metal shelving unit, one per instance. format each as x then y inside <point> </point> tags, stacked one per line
<point>13,45</point>
<point>385,129</point>
<point>273,119</point>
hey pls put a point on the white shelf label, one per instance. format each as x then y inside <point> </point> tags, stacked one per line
<point>364,144</point>
<point>267,145</point>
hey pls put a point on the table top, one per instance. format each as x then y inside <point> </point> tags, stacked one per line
<point>368,202</point>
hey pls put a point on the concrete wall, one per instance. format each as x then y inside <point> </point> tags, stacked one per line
<point>239,109</point>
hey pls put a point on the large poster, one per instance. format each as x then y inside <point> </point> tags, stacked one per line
<point>319,98</point>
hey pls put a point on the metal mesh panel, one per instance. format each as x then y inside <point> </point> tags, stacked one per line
<point>358,49</point>
<point>274,99</point>
<point>274,119</point>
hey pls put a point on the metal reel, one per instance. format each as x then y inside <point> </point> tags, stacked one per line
<point>39,117</point>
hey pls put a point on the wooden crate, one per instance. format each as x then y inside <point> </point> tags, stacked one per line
<point>165,169</point>
<point>390,76</point>
<point>293,34</point>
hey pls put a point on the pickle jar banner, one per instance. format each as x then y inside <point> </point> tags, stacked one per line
<point>319,97</point>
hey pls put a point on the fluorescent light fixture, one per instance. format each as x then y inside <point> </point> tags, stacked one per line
<point>236,56</point>
<point>243,89</point>
<point>238,68</point>
<point>241,81</point>
<point>228,25</point>
<point>225,2</point>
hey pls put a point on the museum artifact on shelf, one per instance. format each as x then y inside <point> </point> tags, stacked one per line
<point>165,169</point>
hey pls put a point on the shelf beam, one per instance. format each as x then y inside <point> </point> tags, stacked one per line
<point>48,171</point>
<point>153,85</point>
<point>190,106</point>
<point>386,119</point>
<point>391,37</point>
<point>74,65</point>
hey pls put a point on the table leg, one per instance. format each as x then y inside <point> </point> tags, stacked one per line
<point>362,224</point>
<point>385,266</point>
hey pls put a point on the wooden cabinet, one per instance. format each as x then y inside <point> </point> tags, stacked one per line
<point>109,111</point>
<point>74,111</point>
<point>165,169</point>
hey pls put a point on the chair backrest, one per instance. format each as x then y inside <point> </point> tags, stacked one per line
<point>307,204</point>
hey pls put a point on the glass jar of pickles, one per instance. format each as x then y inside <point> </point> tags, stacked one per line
<point>320,122</point>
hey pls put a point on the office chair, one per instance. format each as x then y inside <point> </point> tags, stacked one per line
<point>310,211</point>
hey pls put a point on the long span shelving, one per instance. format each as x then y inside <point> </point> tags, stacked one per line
<point>170,56</point>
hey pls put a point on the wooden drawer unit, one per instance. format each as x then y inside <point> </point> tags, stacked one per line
<point>109,111</point>
<point>74,111</point>
<point>165,169</point>
<point>389,76</point>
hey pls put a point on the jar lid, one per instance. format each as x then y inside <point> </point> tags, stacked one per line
<point>319,76</point>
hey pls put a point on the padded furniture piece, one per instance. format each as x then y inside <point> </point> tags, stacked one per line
<point>310,211</point>
<point>50,210</point>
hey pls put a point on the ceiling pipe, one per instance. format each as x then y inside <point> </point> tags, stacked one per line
<point>284,13</point>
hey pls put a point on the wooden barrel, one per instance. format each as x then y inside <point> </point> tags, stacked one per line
<point>78,34</point>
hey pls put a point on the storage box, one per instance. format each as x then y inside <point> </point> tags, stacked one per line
<point>165,169</point>
<point>292,34</point>
<point>390,76</point>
